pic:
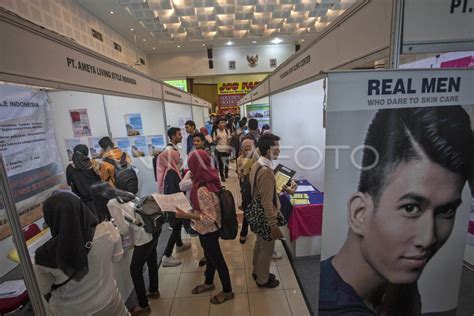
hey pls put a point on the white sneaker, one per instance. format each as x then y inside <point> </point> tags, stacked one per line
<point>276,255</point>
<point>170,261</point>
<point>184,247</point>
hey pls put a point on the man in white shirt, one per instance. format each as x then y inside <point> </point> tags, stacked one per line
<point>222,138</point>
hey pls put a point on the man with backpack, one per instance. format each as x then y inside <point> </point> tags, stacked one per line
<point>221,137</point>
<point>116,167</point>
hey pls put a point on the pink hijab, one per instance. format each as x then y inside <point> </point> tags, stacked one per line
<point>204,175</point>
<point>204,131</point>
<point>167,160</point>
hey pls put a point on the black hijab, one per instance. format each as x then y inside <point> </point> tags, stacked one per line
<point>102,193</point>
<point>72,227</point>
<point>80,157</point>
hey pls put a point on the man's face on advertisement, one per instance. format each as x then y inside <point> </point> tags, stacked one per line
<point>412,220</point>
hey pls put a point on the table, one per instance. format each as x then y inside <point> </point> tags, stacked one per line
<point>304,222</point>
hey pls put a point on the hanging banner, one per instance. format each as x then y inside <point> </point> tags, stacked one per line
<point>448,26</point>
<point>398,157</point>
<point>230,93</point>
<point>29,150</point>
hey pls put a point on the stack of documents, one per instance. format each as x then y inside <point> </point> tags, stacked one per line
<point>12,288</point>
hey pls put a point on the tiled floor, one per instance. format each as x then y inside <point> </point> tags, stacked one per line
<point>176,283</point>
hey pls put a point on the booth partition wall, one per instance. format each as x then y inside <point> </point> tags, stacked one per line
<point>297,117</point>
<point>176,116</point>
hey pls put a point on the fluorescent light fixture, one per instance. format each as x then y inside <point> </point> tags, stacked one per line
<point>229,43</point>
<point>254,42</point>
<point>276,41</point>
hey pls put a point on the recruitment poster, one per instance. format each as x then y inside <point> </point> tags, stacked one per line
<point>139,147</point>
<point>133,124</point>
<point>94,147</point>
<point>124,144</point>
<point>70,144</point>
<point>155,143</point>
<point>398,157</point>
<point>260,112</point>
<point>29,150</point>
<point>80,123</point>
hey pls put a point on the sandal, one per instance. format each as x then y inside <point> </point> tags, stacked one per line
<point>222,297</point>
<point>203,288</point>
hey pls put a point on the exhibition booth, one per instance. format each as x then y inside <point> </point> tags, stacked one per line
<point>74,96</point>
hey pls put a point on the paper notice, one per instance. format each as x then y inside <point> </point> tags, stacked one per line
<point>169,202</point>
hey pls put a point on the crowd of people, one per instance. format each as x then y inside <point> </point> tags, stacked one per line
<point>75,267</point>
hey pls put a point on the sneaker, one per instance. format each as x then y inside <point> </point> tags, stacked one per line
<point>182,248</point>
<point>277,255</point>
<point>170,262</point>
<point>272,283</point>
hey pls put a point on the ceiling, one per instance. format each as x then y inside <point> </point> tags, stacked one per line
<point>170,25</point>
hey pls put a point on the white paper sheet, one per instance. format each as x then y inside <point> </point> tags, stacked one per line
<point>12,288</point>
<point>305,188</point>
<point>169,202</point>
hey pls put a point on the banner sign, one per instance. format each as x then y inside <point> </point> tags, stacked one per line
<point>448,26</point>
<point>236,87</point>
<point>29,150</point>
<point>398,157</point>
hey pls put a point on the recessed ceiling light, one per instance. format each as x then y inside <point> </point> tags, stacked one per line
<point>131,29</point>
<point>111,12</point>
<point>276,40</point>
<point>154,48</point>
<point>254,42</point>
<point>203,45</point>
<point>144,39</point>
<point>179,46</point>
<point>302,40</point>
<point>229,43</point>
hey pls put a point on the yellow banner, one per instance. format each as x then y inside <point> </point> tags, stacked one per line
<point>236,87</point>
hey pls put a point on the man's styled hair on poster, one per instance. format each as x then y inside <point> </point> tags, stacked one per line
<point>442,134</point>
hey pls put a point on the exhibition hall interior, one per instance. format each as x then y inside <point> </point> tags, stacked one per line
<point>237,157</point>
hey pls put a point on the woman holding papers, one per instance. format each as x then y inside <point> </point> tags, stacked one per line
<point>168,177</point>
<point>206,216</point>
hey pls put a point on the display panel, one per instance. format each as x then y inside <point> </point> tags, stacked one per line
<point>259,110</point>
<point>176,116</point>
<point>198,116</point>
<point>399,152</point>
<point>180,84</point>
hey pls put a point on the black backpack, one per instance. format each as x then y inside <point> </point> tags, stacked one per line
<point>125,177</point>
<point>229,224</point>
<point>150,213</point>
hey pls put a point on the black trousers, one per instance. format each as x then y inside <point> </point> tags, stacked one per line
<point>223,161</point>
<point>215,260</point>
<point>175,238</point>
<point>245,228</point>
<point>145,254</point>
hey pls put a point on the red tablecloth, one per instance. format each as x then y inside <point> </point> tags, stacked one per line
<point>305,220</point>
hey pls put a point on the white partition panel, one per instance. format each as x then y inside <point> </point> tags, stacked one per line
<point>297,117</point>
<point>151,113</point>
<point>198,116</point>
<point>176,115</point>
<point>64,101</point>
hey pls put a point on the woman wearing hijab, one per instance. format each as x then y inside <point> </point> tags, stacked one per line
<point>82,173</point>
<point>206,216</point>
<point>168,178</point>
<point>75,265</point>
<point>208,137</point>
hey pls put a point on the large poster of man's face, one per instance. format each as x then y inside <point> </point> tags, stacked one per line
<point>397,198</point>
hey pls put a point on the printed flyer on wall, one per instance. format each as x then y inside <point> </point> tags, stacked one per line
<point>29,150</point>
<point>139,146</point>
<point>80,123</point>
<point>260,112</point>
<point>133,124</point>
<point>70,144</point>
<point>155,143</point>
<point>124,144</point>
<point>94,147</point>
<point>398,160</point>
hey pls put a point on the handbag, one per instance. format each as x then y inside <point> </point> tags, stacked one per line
<point>255,215</point>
